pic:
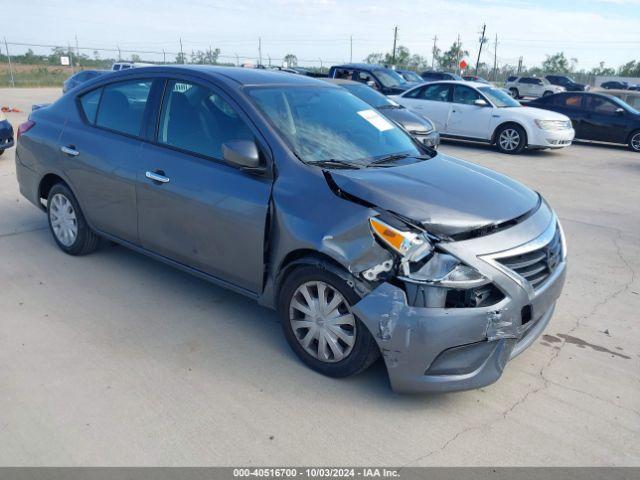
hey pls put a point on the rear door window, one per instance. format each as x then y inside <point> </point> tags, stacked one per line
<point>435,93</point>
<point>89,104</point>
<point>573,102</point>
<point>122,106</point>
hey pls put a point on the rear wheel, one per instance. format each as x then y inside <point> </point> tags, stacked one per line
<point>511,139</point>
<point>634,141</point>
<point>67,223</point>
<point>514,93</point>
<point>315,310</point>
<point>547,93</point>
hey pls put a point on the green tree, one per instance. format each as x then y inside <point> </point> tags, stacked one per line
<point>602,70</point>
<point>630,69</point>
<point>290,60</point>
<point>452,57</point>
<point>556,63</point>
<point>181,58</point>
<point>374,58</point>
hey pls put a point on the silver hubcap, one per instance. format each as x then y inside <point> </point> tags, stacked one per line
<point>509,139</point>
<point>322,321</point>
<point>63,220</point>
<point>635,142</point>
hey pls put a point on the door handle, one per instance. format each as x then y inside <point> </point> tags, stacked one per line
<point>157,177</point>
<point>70,150</point>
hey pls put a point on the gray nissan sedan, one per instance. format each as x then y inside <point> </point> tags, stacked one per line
<point>299,195</point>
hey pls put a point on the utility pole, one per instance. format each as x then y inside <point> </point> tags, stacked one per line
<point>6,46</point>
<point>395,40</point>
<point>433,52</point>
<point>519,65</point>
<point>351,49</point>
<point>484,29</point>
<point>119,53</point>
<point>458,52</point>
<point>77,52</point>
<point>181,52</point>
<point>495,59</point>
<point>164,56</point>
<point>259,51</point>
<point>73,70</point>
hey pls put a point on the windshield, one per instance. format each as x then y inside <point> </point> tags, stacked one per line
<point>389,78</point>
<point>499,98</point>
<point>325,123</point>
<point>410,76</point>
<point>369,95</point>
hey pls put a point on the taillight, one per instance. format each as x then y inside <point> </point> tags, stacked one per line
<point>25,127</point>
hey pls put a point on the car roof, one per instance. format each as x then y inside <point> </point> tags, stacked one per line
<point>363,66</point>
<point>340,81</point>
<point>239,75</point>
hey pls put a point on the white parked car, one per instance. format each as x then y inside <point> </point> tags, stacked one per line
<point>479,112</point>
<point>533,87</point>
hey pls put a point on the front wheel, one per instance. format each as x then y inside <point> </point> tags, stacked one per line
<point>514,93</point>
<point>547,93</point>
<point>315,310</point>
<point>511,139</point>
<point>67,223</point>
<point>634,141</point>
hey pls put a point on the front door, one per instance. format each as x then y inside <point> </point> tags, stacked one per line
<point>193,208</point>
<point>603,121</point>
<point>468,119</point>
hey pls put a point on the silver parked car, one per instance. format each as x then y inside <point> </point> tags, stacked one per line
<point>301,196</point>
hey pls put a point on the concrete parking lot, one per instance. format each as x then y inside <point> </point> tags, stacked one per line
<point>114,359</point>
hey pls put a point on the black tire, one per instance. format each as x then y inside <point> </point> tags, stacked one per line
<point>364,351</point>
<point>634,141</point>
<point>1,151</point>
<point>547,93</point>
<point>505,147</point>
<point>515,93</point>
<point>86,241</point>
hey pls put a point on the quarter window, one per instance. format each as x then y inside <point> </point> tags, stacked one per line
<point>122,106</point>
<point>198,120</point>
<point>89,103</point>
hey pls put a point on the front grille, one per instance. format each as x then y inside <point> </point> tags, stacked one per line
<point>536,266</point>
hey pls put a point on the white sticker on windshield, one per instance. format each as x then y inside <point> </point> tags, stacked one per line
<point>375,119</point>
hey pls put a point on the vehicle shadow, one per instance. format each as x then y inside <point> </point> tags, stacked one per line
<point>226,318</point>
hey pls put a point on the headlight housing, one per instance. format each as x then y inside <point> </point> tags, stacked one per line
<point>553,124</point>
<point>409,245</point>
<point>447,271</point>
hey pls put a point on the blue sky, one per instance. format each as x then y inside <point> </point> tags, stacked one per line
<point>591,31</point>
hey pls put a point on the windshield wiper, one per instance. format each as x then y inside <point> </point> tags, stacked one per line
<point>333,163</point>
<point>389,158</point>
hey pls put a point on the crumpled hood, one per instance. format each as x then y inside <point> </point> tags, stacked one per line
<point>446,195</point>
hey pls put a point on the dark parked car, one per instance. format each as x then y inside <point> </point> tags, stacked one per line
<point>6,134</point>
<point>420,128</point>
<point>619,85</point>
<point>596,116</point>
<point>475,78</point>
<point>297,194</point>
<point>568,83</point>
<point>430,76</point>
<point>410,75</point>
<point>81,77</point>
<point>383,79</point>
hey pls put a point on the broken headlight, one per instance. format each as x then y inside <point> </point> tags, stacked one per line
<point>409,245</point>
<point>445,270</point>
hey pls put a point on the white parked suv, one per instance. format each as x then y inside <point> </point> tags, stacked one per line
<point>534,87</point>
<point>480,112</point>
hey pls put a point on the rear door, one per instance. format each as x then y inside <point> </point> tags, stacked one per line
<point>101,154</point>
<point>468,119</point>
<point>431,101</point>
<point>204,213</point>
<point>572,105</point>
<point>602,122</point>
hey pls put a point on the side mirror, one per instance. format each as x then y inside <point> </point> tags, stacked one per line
<point>242,153</point>
<point>480,102</point>
<point>619,111</point>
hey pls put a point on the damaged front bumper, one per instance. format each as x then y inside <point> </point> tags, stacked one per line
<point>447,349</point>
